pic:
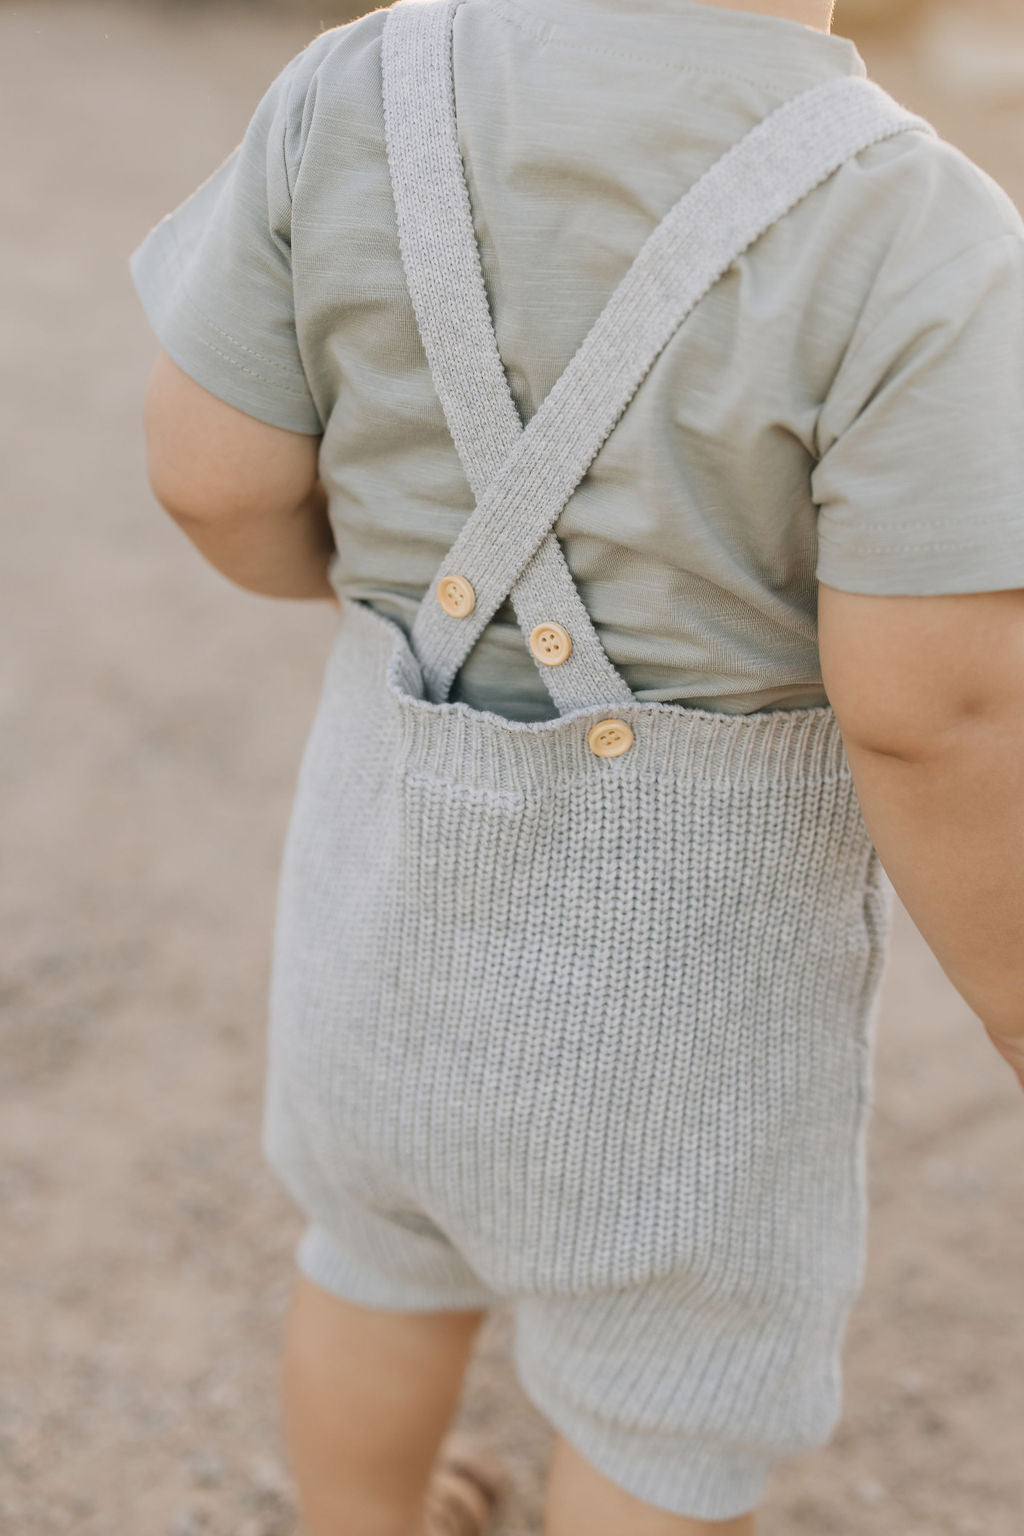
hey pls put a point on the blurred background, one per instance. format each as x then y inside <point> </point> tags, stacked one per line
<point>151,721</point>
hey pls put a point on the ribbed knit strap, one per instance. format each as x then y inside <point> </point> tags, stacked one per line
<point>435,227</point>
<point>765,174</point>
<point>446,284</point>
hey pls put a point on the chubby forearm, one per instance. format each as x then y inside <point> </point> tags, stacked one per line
<point>947,818</point>
<point>280,553</point>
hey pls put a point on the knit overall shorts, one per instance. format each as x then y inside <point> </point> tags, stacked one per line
<point>577,1013</point>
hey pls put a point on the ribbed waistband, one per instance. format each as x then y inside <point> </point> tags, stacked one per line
<point>456,743</point>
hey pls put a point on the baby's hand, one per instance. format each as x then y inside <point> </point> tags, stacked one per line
<point>1011,1049</point>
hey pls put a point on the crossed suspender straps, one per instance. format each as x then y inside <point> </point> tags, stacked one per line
<point>523,477</point>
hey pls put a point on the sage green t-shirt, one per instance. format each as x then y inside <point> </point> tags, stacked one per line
<point>845,405</point>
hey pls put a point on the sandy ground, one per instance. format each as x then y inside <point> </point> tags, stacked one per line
<point>153,717</point>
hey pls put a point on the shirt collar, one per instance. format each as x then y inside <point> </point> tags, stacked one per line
<point>727,42</point>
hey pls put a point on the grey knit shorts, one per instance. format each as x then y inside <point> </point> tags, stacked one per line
<point>626,1091</point>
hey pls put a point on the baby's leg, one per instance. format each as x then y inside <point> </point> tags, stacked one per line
<point>368,1397</point>
<point>582,1502</point>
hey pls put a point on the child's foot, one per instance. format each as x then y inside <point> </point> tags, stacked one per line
<point>464,1491</point>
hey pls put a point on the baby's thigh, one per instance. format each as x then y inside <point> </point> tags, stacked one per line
<point>581,1501</point>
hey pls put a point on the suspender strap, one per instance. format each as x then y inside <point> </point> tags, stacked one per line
<point>522,478</point>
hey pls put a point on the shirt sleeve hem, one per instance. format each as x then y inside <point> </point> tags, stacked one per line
<point>210,355</point>
<point>937,569</point>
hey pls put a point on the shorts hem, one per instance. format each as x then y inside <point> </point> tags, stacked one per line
<point>321,1259</point>
<point>679,1476</point>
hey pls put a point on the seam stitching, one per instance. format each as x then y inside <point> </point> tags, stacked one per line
<point>543,33</point>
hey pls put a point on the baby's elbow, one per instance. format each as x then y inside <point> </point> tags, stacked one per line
<point>184,500</point>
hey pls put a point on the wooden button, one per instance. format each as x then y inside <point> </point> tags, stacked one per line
<point>610,738</point>
<point>550,643</point>
<point>456,596</point>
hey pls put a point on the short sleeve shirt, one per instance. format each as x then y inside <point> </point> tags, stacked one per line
<point>845,405</point>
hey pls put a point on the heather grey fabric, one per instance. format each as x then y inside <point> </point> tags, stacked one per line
<point>590,1033</point>
<point>845,404</point>
<point>523,479</point>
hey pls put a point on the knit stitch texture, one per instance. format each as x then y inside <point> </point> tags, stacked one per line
<point>601,1027</point>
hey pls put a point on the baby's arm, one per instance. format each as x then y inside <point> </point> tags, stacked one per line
<point>247,494</point>
<point>929,696</point>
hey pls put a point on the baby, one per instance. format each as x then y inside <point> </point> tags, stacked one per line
<point>645,387</point>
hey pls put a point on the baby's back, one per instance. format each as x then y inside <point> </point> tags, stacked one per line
<point>816,417</point>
